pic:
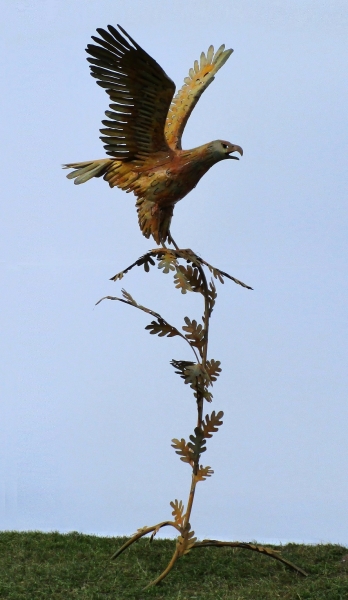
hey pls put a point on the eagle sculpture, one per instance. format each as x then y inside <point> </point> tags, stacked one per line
<point>144,126</point>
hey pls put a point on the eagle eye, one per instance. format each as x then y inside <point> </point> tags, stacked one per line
<point>224,146</point>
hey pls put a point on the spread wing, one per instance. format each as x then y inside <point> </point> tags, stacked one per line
<point>202,75</point>
<point>140,92</point>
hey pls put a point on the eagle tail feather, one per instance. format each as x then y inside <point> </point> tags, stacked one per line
<point>83,171</point>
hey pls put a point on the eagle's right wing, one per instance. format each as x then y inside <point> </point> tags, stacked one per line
<point>140,92</point>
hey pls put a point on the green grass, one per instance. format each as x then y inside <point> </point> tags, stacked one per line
<point>35,565</point>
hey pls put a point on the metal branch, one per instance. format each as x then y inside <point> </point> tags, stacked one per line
<point>165,572</point>
<point>254,547</point>
<point>141,533</point>
<point>150,312</point>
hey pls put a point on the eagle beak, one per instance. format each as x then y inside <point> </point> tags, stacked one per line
<point>235,149</point>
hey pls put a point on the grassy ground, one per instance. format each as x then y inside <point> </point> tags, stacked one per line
<point>35,566</point>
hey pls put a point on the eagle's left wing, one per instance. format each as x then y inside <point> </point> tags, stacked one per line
<point>183,103</point>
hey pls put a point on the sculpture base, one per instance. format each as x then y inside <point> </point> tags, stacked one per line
<point>203,544</point>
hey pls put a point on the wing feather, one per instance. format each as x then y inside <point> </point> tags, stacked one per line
<point>140,92</point>
<point>200,76</point>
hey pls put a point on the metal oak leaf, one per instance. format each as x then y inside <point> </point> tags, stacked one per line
<point>178,512</point>
<point>188,279</point>
<point>118,276</point>
<point>211,295</point>
<point>167,261</point>
<point>194,277</point>
<point>148,260</point>
<point>180,280</point>
<point>213,369</point>
<point>129,298</point>
<point>203,473</point>
<point>216,273</point>
<point>162,328</point>
<point>182,449</point>
<point>197,444</point>
<point>208,396</point>
<point>185,541</point>
<point>155,531</point>
<point>211,423</point>
<point>194,333</point>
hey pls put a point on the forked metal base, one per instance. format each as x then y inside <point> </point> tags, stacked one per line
<point>204,544</point>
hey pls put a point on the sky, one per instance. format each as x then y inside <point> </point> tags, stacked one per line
<point>89,402</point>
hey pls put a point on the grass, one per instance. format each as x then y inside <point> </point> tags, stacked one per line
<point>36,566</point>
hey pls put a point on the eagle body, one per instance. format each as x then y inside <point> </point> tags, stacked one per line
<point>144,129</point>
<point>162,187</point>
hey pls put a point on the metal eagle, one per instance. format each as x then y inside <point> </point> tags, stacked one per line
<point>144,127</point>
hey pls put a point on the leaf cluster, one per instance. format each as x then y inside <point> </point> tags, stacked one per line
<point>196,376</point>
<point>185,541</point>
<point>188,279</point>
<point>190,452</point>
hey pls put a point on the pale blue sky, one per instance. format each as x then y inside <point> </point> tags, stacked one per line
<point>89,400</point>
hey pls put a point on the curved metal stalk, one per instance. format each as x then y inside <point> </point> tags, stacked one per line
<point>200,400</point>
<point>165,572</point>
<point>140,534</point>
<point>254,547</point>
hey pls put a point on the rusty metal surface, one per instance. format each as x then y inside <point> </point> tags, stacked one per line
<point>142,136</point>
